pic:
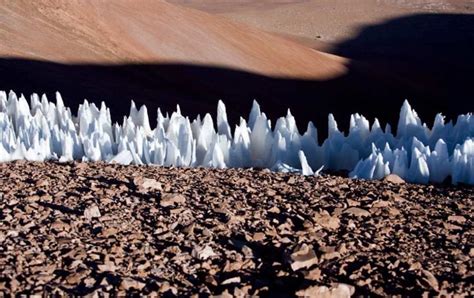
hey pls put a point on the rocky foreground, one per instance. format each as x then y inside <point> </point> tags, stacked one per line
<point>90,228</point>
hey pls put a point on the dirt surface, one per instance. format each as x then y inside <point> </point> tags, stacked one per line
<point>149,31</point>
<point>83,228</point>
<point>322,23</point>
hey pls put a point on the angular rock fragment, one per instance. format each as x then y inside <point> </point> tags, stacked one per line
<point>395,179</point>
<point>130,283</point>
<point>428,278</point>
<point>147,184</point>
<point>258,237</point>
<point>170,199</point>
<point>92,212</point>
<point>457,219</point>
<point>203,253</point>
<point>303,257</point>
<point>357,212</point>
<point>233,280</point>
<point>327,221</point>
<point>338,291</point>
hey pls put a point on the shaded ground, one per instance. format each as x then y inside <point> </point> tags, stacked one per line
<point>83,228</point>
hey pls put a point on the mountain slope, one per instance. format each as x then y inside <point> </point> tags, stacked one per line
<point>150,31</point>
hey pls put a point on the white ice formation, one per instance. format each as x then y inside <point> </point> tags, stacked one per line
<point>42,130</point>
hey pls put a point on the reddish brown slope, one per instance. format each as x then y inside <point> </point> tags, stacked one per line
<point>322,23</point>
<point>150,31</point>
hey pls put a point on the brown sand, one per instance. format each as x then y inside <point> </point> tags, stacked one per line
<point>322,23</point>
<point>146,31</point>
<point>92,228</point>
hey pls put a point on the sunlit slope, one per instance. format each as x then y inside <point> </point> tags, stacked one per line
<point>151,31</point>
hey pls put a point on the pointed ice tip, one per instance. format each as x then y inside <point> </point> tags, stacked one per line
<point>288,113</point>
<point>376,124</point>
<point>178,109</point>
<point>332,124</point>
<point>439,120</point>
<point>132,104</point>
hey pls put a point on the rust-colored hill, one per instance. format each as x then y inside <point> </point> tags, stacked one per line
<point>144,31</point>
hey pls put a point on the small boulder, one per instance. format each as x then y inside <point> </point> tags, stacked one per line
<point>395,179</point>
<point>327,221</point>
<point>429,279</point>
<point>202,253</point>
<point>358,212</point>
<point>147,184</point>
<point>92,212</point>
<point>339,290</point>
<point>303,257</point>
<point>171,199</point>
<point>130,283</point>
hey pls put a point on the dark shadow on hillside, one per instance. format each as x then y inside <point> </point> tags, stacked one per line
<point>431,55</point>
<point>404,58</point>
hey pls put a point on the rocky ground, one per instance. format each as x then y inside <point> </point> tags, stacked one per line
<point>90,228</point>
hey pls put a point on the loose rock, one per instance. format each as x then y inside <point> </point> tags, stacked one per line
<point>90,229</point>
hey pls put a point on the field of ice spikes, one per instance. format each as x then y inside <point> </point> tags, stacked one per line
<point>43,130</point>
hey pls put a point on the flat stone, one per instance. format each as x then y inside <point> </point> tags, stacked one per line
<point>327,221</point>
<point>130,283</point>
<point>92,212</point>
<point>395,179</point>
<point>457,219</point>
<point>338,291</point>
<point>147,184</point>
<point>171,199</point>
<point>430,279</point>
<point>202,253</point>
<point>233,280</point>
<point>358,212</point>
<point>303,257</point>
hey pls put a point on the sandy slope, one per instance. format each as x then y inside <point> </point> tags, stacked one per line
<point>321,23</point>
<point>149,31</point>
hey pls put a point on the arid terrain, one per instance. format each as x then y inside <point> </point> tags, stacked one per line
<point>81,228</point>
<point>147,31</point>
<point>322,24</point>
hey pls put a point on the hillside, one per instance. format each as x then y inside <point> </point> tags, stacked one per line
<point>148,31</point>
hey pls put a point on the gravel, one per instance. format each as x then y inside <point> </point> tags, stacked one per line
<point>95,228</point>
